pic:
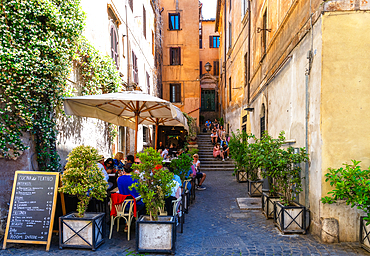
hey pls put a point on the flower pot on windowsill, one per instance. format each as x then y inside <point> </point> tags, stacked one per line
<point>364,234</point>
<point>156,236</point>
<point>268,201</point>
<point>255,187</point>
<point>86,232</point>
<point>290,219</point>
<point>241,176</point>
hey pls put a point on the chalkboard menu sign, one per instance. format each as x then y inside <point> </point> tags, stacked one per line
<point>32,208</point>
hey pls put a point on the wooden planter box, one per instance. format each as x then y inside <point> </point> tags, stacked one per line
<point>290,219</point>
<point>241,176</point>
<point>364,234</point>
<point>268,202</point>
<point>156,236</point>
<point>87,232</point>
<point>255,188</point>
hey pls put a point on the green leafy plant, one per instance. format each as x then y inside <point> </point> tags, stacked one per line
<point>192,134</point>
<point>83,177</point>
<point>352,184</point>
<point>243,153</point>
<point>182,165</point>
<point>221,121</point>
<point>37,41</point>
<point>153,181</point>
<point>282,165</point>
<point>193,151</point>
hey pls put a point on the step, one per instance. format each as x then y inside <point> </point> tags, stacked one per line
<point>216,169</point>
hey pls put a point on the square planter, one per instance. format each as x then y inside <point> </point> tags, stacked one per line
<point>241,176</point>
<point>255,188</point>
<point>87,232</point>
<point>290,219</point>
<point>156,236</point>
<point>364,234</point>
<point>268,202</point>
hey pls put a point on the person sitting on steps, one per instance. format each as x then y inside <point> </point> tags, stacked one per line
<point>224,149</point>
<point>214,137</point>
<point>199,175</point>
<point>217,152</point>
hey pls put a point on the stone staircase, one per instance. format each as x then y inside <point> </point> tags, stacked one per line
<point>207,161</point>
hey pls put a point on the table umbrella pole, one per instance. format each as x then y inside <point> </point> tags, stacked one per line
<point>156,134</point>
<point>136,125</point>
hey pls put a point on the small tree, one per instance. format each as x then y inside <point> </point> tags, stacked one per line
<point>244,153</point>
<point>153,181</point>
<point>351,184</point>
<point>83,177</point>
<point>182,165</point>
<point>282,165</point>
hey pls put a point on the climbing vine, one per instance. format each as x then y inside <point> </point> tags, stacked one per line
<point>37,40</point>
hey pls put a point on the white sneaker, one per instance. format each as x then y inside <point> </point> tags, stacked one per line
<point>223,160</point>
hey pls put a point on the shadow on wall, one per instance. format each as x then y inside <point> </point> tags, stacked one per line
<point>75,130</point>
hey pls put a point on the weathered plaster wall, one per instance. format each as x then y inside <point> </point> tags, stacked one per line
<point>345,106</point>
<point>188,39</point>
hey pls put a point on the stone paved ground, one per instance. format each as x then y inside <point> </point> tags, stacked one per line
<point>215,226</point>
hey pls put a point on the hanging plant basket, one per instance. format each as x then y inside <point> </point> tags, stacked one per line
<point>364,234</point>
<point>268,201</point>
<point>290,219</point>
<point>87,232</point>
<point>241,176</point>
<point>156,236</point>
<point>255,188</point>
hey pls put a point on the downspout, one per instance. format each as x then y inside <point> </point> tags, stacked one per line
<point>249,50</point>
<point>128,77</point>
<point>307,112</point>
<point>225,36</point>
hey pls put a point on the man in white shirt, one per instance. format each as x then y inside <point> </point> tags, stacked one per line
<point>102,168</point>
<point>165,153</point>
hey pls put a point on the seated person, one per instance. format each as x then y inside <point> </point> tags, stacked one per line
<point>216,125</point>
<point>171,151</point>
<point>208,125</point>
<point>109,165</point>
<point>217,151</point>
<point>117,160</point>
<point>198,175</point>
<point>123,184</point>
<point>224,149</point>
<point>104,169</point>
<point>214,137</point>
<point>175,194</point>
<point>164,154</point>
<point>161,146</point>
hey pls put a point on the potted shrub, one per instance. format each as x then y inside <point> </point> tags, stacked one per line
<point>289,216</point>
<point>352,184</point>
<point>181,167</point>
<point>192,134</point>
<point>83,178</point>
<point>244,154</point>
<point>154,233</point>
<point>266,155</point>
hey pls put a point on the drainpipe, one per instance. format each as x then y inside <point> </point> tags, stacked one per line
<point>225,36</point>
<point>249,50</point>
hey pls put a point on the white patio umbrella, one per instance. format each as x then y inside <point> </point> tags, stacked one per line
<point>128,108</point>
<point>179,120</point>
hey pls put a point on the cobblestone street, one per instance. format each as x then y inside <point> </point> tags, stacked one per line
<point>214,226</point>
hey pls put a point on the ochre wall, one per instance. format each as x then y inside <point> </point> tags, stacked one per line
<point>188,39</point>
<point>345,104</point>
<point>207,54</point>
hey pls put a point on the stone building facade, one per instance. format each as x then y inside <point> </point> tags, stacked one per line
<point>180,72</point>
<point>300,67</point>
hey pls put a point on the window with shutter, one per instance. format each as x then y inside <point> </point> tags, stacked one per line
<point>175,56</point>
<point>114,44</point>
<point>175,93</point>
<point>174,21</point>
<point>214,41</point>
<point>144,22</point>
<point>135,68</point>
<point>216,68</point>
<point>131,3</point>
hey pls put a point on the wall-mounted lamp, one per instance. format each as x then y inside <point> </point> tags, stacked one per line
<point>208,67</point>
<point>259,30</point>
<point>249,109</point>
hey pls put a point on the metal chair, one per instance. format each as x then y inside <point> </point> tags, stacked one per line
<point>178,212</point>
<point>122,212</point>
